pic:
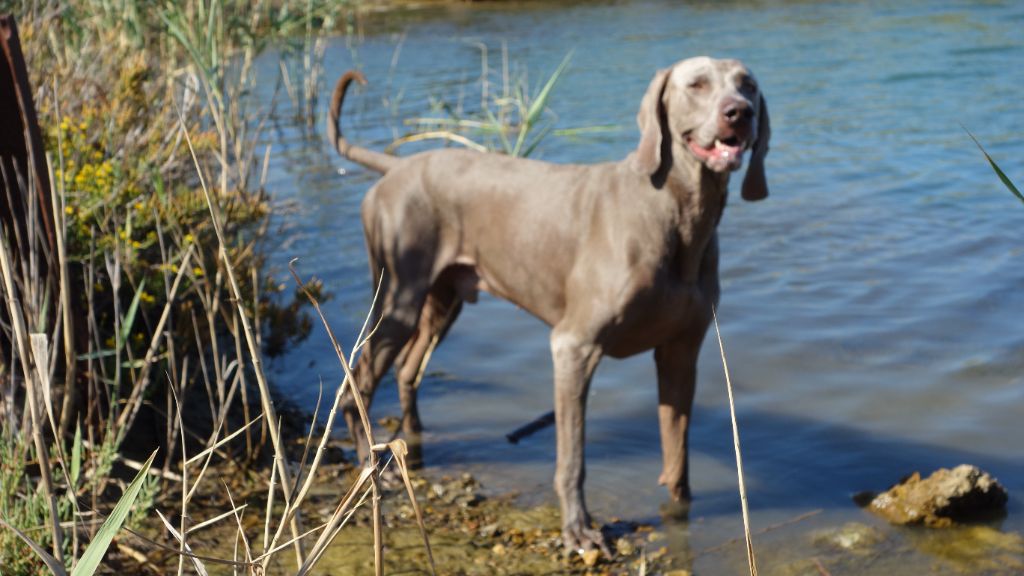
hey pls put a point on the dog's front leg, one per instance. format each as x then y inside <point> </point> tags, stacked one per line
<point>677,379</point>
<point>575,359</point>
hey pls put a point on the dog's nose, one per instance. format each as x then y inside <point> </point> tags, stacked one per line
<point>737,111</point>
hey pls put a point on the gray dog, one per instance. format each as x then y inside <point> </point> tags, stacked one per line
<point>617,258</point>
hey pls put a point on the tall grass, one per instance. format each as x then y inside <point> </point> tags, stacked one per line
<point>139,103</point>
<point>510,120</point>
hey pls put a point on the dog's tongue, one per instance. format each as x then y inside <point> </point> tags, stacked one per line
<point>717,149</point>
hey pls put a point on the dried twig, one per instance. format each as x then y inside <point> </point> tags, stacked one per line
<point>751,562</point>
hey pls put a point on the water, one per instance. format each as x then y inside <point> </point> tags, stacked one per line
<point>872,306</point>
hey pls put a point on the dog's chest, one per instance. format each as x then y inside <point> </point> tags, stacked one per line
<point>664,301</point>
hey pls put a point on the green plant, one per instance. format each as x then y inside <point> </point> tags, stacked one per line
<point>995,168</point>
<point>511,121</point>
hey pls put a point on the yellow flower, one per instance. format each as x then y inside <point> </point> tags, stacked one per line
<point>147,297</point>
<point>197,271</point>
<point>69,210</point>
<point>189,238</point>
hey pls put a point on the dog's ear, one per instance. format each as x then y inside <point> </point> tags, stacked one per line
<point>648,153</point>
<point>755,185</point>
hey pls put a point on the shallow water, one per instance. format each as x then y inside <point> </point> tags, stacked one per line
<point>871,306</point>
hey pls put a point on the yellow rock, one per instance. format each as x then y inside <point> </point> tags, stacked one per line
<point>590,557</point>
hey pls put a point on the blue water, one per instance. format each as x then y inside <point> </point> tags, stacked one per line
<point>872,308</point>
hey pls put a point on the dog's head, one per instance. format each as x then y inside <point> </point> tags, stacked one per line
<point>714,111</point>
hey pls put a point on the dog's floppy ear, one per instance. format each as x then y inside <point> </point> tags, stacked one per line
<point>755,185</point>
<point>648,153</point>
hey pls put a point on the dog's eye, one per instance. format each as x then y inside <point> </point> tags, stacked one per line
<point>699,83</point>
<point>748,84</point>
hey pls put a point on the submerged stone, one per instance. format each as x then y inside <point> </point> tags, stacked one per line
<point>851,537</point>
<point>946,497</point>
<point>976,549</point>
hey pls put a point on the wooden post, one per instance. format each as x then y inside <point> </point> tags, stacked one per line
<point>27,216</point>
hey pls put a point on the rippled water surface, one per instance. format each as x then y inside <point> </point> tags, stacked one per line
<point>873,306</point>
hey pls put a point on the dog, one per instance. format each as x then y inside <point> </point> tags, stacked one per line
<point>618,258</point>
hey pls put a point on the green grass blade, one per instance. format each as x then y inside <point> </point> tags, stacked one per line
<point>541,101</point>
<point>584,130</point>
<point>55,567</point>
<point>537,140</point>
<point>995,167</point>
<point>76,458</point>
<point>97,354</point>
<point>92,556</point>
<point>129,317</point>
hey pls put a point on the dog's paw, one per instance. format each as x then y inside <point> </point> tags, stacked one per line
<point>579,539</point>
<point>678,489</point>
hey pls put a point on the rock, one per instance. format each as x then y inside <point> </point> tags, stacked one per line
<point>624,547</point>
<point>490,530</point>
<point>977,549</point>
<point>947,496</point>
<point>852,537</point>
<point>590,557</point>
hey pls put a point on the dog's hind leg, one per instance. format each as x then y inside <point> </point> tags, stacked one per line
<point>439,312</point>
<point>376,358</point>
<point>396,323</point>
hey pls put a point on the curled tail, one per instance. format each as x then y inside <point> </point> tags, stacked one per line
<point>371,159</point>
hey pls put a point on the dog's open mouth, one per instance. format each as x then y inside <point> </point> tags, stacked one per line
<point>723,154</point>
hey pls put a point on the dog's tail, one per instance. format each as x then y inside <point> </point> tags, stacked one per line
<point>373,160</point>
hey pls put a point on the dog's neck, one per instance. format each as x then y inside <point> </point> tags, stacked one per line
<point>700,195</point>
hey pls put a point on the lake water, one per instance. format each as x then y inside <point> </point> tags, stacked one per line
<point>872,307</point>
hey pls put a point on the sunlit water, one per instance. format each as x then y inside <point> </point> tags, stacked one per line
<point>873,306</point>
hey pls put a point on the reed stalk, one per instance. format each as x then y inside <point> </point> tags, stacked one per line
<point>751,560</point>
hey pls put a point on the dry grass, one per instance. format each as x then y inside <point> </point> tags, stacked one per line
<point>154,305</point>
<point>751,560</point>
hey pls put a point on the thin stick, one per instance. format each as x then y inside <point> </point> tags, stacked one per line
<point>762,531</point>
<point>751,563</point>
<point>530,428</point>
<point>436,134</point>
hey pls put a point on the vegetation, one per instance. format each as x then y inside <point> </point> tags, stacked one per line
<point>510,120</point>
<point>139,102</point>
<point>999,171</point>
